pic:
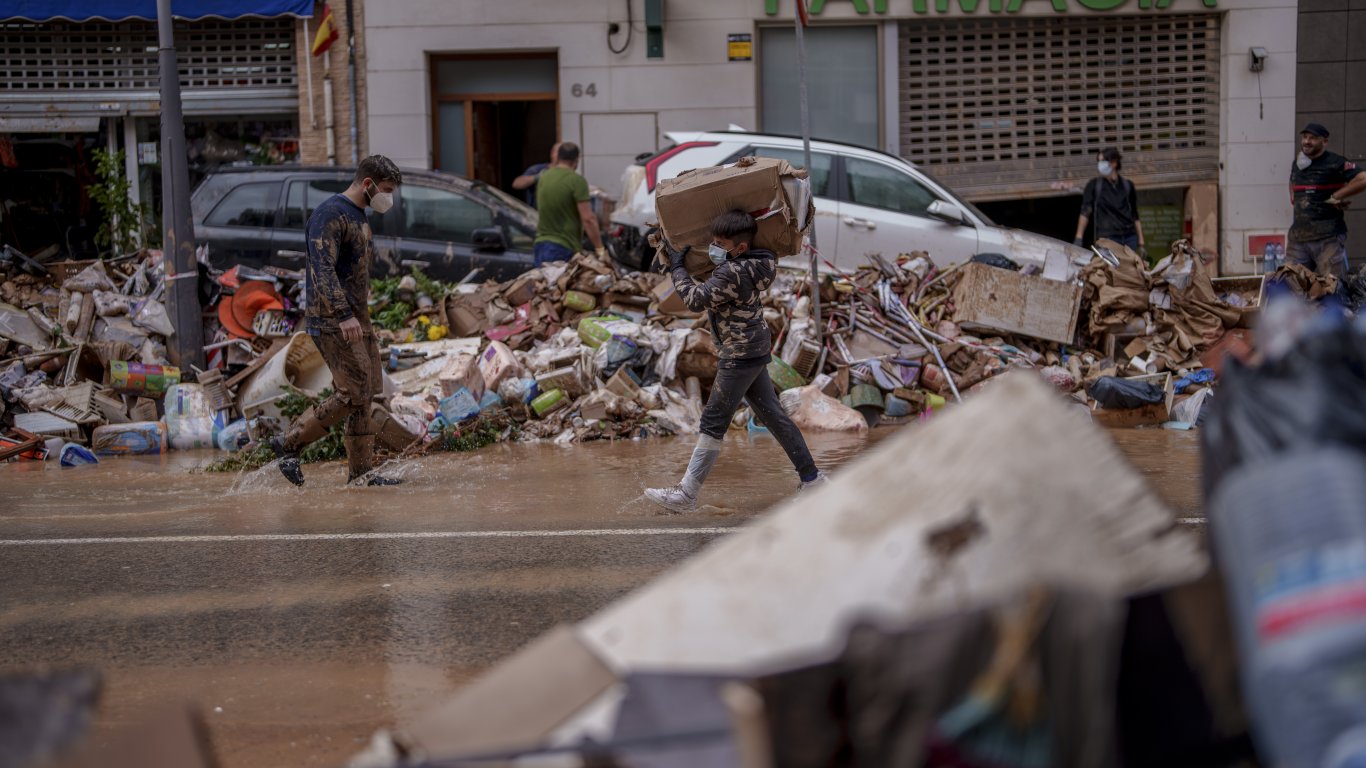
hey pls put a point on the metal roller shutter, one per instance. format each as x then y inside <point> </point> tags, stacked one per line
<point>1005,108</point>
<point>69,68</point>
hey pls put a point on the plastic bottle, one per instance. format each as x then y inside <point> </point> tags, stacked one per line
<point>1291,541</point>
<point>1269,258</point>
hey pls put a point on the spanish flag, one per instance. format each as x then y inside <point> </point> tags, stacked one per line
<point>327,32</point>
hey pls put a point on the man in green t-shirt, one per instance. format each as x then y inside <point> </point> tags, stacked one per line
<point>565,213</point>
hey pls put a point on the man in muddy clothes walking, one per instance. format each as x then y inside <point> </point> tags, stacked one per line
<point>340,252</point>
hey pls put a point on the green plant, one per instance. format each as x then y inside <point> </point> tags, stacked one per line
<point>123,225</point>
<point>292,405</point>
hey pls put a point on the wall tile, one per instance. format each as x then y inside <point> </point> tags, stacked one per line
<point>1323,36</point>
<point>1321,87</point>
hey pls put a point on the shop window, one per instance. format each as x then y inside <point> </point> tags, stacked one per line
<point>879,186</point>
<point>250,205</point>
<point>842,83</point>
<point>305,196</point>
<point>442,215</point>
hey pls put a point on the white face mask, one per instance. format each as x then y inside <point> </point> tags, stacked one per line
<point>717,254</point>
<point>380,201</point>
<point>1303,161</point>
<point>1104,167</point>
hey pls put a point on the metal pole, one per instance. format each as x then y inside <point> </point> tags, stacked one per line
<point>308,68</point>
<point>182,272</point>
<point>806,160</point>
<point>351,73</point>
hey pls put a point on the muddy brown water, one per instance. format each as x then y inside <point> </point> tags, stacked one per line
<point>302,620</point>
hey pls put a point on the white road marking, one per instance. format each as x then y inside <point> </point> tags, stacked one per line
<point>250,537</point>
<point>1192,520</point>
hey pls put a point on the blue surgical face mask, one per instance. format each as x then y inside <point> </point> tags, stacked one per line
<point>717,254</point>
<point>1104,167</point>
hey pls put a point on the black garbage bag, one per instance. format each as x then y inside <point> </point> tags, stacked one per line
<point>996,260</point>
<point>1114,392</point>
<point>1312,396</point>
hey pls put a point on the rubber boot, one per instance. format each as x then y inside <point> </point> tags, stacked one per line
<point>305,429</point>
<point>683,497</point>
<point>360,460</point>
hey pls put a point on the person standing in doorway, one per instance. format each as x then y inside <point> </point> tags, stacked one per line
<point>1320,184</point>
<point>340,252</point>
<point>565,211</point>
<point>1110,202</point>
<point>732,298</point>
<point>527,181</point>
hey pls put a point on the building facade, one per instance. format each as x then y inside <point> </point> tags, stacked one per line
<point>1007,101</point>
<point>83,75</point>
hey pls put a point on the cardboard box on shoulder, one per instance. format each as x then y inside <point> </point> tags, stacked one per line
<point>764,187</point>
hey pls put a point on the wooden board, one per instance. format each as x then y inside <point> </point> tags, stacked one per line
<point>1001,300</point>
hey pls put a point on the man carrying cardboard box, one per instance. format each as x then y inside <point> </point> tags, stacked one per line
<point>732,298</point>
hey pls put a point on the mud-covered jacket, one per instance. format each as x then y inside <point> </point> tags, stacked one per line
<point>732,298</point>
<point>1311,187</point>
<point>340,251</point>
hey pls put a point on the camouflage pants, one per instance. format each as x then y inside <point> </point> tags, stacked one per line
<point>356,378</point>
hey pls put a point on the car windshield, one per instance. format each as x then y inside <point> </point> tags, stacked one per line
<point>955,198</point>
<point>518,206</point>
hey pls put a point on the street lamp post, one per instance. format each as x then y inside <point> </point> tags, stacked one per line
<point>182,271</point>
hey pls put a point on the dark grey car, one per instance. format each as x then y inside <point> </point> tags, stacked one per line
<point>445,224</point>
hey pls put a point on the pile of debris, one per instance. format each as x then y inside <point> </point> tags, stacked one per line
<point>584,350</point>
<point>82,347</point>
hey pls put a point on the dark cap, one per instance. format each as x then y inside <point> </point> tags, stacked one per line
<point>1316,129</point>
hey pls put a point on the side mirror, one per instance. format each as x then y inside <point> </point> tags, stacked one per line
<point>947,212</point>
<point>489,239</point>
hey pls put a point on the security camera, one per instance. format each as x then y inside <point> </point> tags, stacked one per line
<point>1258,58</point>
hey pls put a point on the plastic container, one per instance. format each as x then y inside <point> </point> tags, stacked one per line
<point>866,396</point>
<point>491,400</point>
<point>895,407</point>
<point>549,402</point>
<point>596,331</point>
<point>519,390</point>
<point>1291,541</point>
<point>234,436</point>
<point>299,365</point>
<point>132,378</point>
<point>133,439</point>
<point>76,455</point>
<point>497,363</point>
<point>459,406</point>
<point>580,301</point>
<point>784,376</point>
<point>191,421</point>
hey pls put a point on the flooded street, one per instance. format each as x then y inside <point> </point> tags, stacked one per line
<point>302,620</point>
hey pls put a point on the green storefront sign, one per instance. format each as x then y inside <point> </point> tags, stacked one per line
<point>994,6</point>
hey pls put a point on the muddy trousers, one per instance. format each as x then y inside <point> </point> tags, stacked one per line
<point>356,379</point>
<point>752,384</point>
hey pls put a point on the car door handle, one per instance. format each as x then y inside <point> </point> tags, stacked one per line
<point>414,263</point>
<point>855,222</point>
<point>291,255</point>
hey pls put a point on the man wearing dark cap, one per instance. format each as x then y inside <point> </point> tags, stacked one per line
<point>1320,184</point>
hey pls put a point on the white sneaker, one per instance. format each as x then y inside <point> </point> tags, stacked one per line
<point>820,479</point>
<point>673,499</point>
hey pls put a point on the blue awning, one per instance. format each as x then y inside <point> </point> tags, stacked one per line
<point>122,10</point>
